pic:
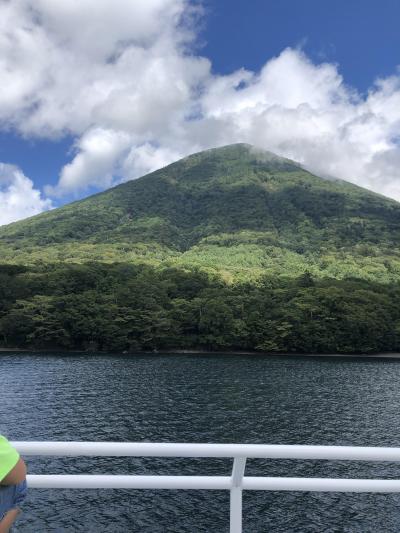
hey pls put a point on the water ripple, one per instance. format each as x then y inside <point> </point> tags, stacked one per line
<point>203,399</point>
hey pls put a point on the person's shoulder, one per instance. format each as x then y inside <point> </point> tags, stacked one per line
<point>5,446</point>
<point>9,457</point>
<point>4,441</point>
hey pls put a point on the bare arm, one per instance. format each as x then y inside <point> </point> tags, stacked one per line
<point>8,520</point>
<point>16,475</point>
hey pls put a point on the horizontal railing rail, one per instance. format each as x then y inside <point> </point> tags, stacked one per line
<point>235,483</point>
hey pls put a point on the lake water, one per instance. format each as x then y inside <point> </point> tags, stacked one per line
<point>203,398</point>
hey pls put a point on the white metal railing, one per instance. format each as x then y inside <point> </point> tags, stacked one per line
<point>235,483</point>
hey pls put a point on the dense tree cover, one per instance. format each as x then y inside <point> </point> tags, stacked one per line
<point>125,307</point>
<point>227,249</point>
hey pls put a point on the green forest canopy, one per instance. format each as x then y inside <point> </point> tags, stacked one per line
<point>232,248</point>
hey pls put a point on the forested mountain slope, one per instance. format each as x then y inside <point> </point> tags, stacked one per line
<point>231,248</point>
<point>236,209</point>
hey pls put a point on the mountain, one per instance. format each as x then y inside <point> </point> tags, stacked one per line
<point>236,209</point>
<point>229,249</point>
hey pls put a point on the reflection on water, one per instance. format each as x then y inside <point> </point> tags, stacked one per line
<point>193,398</point>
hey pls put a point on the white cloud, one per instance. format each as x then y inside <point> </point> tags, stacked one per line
<point>122,77</point>
<point>146,158</point>
<point>98,28</point>
<point>292,107</point>
<point>18,198</point>
<point>99,151</point>
<point>70,66</point>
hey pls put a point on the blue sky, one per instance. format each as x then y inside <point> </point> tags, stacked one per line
<point>361,36</point>
<point>120,137</point>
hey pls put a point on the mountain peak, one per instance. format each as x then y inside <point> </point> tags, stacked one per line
<point>229,163</point>
<point>241,150</point>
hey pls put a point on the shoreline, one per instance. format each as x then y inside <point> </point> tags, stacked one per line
<point>44,351</point>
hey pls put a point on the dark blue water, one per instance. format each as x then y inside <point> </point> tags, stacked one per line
<point>206,398</point>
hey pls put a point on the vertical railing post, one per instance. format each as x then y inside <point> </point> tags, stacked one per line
<point>239,464</point>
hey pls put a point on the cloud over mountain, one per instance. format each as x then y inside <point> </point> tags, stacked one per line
<point>125,79</point>
<point>18,197</point>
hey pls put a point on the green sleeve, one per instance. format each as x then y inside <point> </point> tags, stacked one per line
<point>8,457</point>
